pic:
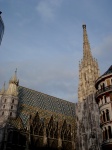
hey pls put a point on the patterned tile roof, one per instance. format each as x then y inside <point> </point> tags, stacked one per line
<point>31,98</point>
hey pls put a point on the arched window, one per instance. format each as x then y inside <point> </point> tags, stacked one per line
<point>10,113</point>
<point>13,101</point>
<point>3,113</point>
<point>104,116</point>
<point>109,132</point>
<point>103,85</point>
<point>107,115</point>
<point>11,107</point>
<point>4,106</point>
<point>5,100</point>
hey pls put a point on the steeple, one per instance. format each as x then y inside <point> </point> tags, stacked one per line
<point>13,83</point>
<point>88,70</point>
<point>86,46</point>
<point>9,100</point>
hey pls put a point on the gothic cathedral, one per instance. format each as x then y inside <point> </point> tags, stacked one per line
<point>31,120</point>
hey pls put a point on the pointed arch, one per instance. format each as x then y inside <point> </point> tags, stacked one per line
<point>52,128</point>
<point>50,131</point>
<point>36,120</point>
<point>64,131</point>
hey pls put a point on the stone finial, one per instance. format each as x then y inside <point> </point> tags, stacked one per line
<point>84,26</point>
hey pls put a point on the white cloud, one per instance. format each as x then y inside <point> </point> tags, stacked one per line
<point>46,9</point>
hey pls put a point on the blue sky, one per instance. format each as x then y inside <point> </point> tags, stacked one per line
<point>43,40</point>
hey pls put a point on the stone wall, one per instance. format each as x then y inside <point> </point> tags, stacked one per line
<point>88,126</point>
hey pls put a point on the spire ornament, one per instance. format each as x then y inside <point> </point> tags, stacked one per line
<point>3,89</point>
<point>13,83</point>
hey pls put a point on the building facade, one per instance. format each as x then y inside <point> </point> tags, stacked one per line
<point>104,100</point>
<point>1,28</point>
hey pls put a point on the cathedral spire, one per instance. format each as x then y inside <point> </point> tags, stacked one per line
<point>14,78</point>
<point>88,70</point>
<point>86,46</point>
<point>13,83</point>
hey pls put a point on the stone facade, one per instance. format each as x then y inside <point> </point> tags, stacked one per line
<point>89,135</point>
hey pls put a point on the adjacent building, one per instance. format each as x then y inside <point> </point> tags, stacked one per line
<point>104,100</point>
<point>1,28</point>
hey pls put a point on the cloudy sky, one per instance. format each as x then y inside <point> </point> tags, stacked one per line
<point>43,40</point>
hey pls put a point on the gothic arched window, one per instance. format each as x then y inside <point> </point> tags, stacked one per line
<point>107,115</point>
<point>10,113</point>
<point>11,107</point>
<point>13,101</point>
<point>103,85</point>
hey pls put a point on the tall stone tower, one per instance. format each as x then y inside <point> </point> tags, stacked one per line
<point>88,70</point>
<point>88,130</point>
<point>9,100</point>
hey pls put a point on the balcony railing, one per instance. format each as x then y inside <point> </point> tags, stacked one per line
<point>104,89</point>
